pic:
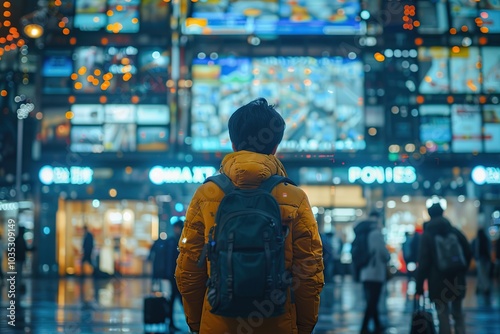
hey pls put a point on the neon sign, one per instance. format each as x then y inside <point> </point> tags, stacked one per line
<point>197,174</point>
<point>485,175</point>
<point>62,175</point>
<point>372,174</point>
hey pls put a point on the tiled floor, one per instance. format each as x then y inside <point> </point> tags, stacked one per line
<point>114,305</point>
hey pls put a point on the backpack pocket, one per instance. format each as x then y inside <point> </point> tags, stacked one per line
<point>249,278</point>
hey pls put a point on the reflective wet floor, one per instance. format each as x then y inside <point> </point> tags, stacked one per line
<point>114,305</point>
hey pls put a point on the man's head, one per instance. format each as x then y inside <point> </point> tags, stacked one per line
<point>256,127</point>
<point>435,210</point>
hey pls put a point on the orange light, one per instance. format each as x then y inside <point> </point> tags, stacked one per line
<point>135,99</point>
<point>453,31</point>
<point>65,31</point>
<point>6,13</point>
<point>416,23</point>
<point>420,99</point>
<point>484,30</point>
<point>70,114</point>
<point>109,13</point>
<point>455,49</point>
<point>71,99</point>
<point>74,76</point>
<point>61,24</point>
<point>135,20</point>
<point>104,41</point>
<point>465,28</point>
<point>482,99</point>
<point>78,85</point>
<point>483,40</point>
<point>3,93</point>
<point>119,8</point>
<point>97,72</point>
<point>72,40</point>
<point>379,57</point>
<point>103,99</point>
<point>6,23</point>
<point>450,99</point>
<point>6,4</point>
<point>2,40</point>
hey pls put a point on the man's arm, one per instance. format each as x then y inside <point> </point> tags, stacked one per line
<point>307,268</point>
<point>191,278</point>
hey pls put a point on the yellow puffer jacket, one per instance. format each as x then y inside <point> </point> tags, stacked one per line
<point>303,252</point>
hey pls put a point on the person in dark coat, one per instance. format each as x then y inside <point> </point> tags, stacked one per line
<point>21,250</point>
<point>87,248</point>
<point>481,248</point>
<point>164,255</point>
<point>443,289</point>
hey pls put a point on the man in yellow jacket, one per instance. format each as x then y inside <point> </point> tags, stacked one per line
<point>255,130</point>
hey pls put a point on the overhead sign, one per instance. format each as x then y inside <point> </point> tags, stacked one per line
<point>485,175</point>
<point>197,174</point>
<point>62,175</point>
<point>377,174</point>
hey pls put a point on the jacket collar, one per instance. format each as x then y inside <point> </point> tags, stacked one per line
<point>248,169</point>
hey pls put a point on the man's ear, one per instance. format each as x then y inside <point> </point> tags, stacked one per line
<point>234,147</point>
<point>273,152</point>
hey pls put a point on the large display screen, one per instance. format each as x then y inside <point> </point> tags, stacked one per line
<point>90,15</point>
<point>463,15</point>
<point>465,75</point>
<point>125,16</point>
<point>97,128</point>
<point>57,69</point>
<point>434,78</point>
<point>153,69</point>
<point>275,17</point>
<point>435,127</point>
<point>432,16</point>
<point>321,100</point>
<point>490,15</point>
<point>491,116</point>
<point>466,128</point>
<point>112,69</point>
<point>491,69</point>
<point>116,16</point>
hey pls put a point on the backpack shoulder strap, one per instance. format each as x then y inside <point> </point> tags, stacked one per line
<point>223,181</point>
<point>273,181</point>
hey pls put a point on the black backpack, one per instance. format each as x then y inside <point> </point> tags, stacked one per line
<point>450,254</point>
<point>246,252</point>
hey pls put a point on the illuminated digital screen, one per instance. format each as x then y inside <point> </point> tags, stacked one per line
<point>321,100</point>
<point>125,16</point>
<point>491,69</point>
<point>153,69</point>
<point>87,114</point>
<point>466,128</point>
<point>152,138</point>
<point>491,116</point>
<point>432,16</point>
<point>463,15</point>
<point>464,71</point>
<point>435,127</point>
<point>275,17</point>
<point>56,71</point>
<point>90,14</point>
<point>119,137</point>
<point>88,139</point>
<point>433,70</point>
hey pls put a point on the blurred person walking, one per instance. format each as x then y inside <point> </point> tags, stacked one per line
<point>87,249</point>
<point>255,130</point>
<point>443,260</point>
<point>163,255</point>
<point>374,274</point>
<point>481,248</point>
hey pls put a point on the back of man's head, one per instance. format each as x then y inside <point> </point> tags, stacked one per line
<point>435,210</point>
<point>256,127</point>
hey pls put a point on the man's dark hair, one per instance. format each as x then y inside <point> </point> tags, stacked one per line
<point>435,210</point>
<point>256,127</point>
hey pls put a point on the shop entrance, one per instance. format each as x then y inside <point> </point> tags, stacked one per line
<point>123,232</point>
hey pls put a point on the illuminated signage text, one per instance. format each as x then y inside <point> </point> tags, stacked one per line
<point>369,174</point>
<point>197,174</point>
<point>62,175</point>
<point>485,175</point>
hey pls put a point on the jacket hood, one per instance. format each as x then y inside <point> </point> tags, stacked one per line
<point>248,169</point>
<point>438,225</point>
<point>364,226</point>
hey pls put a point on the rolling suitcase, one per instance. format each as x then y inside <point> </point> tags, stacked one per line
<point>422,321</point>
<point>155,310</point>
